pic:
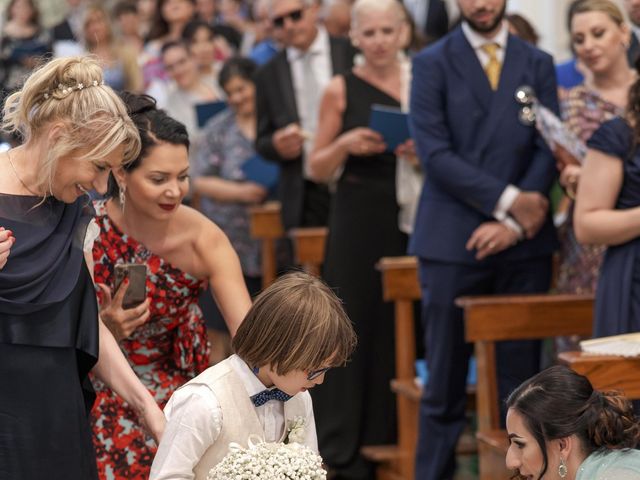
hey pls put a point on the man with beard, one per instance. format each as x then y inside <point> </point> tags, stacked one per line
<point>483,224</point>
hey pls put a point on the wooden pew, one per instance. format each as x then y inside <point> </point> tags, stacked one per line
<point>309,247</point>
<point>266,226</point>
<point>400,285</point>
<point>607,372</point>
<point>489,319</point>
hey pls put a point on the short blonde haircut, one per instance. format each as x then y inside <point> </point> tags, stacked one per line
<point>297,323</point>
<point>604,6</point>
<point>363,6</point>
<point>72,91</point>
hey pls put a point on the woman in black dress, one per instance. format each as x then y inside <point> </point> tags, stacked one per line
<point>75,129</point>
<point>356,407</point>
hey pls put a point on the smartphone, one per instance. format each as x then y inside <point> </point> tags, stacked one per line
<point>137,275</point>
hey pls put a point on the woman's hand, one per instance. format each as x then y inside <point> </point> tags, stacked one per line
<point>6,242</point>
<point>153,421</point>
<point>569,178</point>
<point>251,193</point>
<point>121,322</point>
<point>491,238</point>
<point>362,141</point>
<point>407,150</point>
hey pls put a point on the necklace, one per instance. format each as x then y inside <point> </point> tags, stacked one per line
<point>15,172</point>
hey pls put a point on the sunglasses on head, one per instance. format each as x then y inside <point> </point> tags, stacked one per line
<point>294,16</point>
<point>316,373</point>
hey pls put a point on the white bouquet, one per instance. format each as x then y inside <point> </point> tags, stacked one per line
<point>269,461</point>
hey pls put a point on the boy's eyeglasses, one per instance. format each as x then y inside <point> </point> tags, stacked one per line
<point>316,373</point>
<point>294,16</point>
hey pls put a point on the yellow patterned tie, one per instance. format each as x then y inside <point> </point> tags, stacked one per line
<point>493,66</point>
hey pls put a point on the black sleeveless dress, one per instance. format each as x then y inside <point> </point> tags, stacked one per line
<point>355,406</point>
<point>48,342</point>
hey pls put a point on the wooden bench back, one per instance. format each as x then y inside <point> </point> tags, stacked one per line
<point>266,226</point>
<point>309,247</point>
<point>489,319</point>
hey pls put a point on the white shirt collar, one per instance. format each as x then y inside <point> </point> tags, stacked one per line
<point>249,379</point>
<point>477,41</point>
<point>320,45</point>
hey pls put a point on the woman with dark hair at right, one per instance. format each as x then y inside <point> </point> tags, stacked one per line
<point>560,427</point>
<point>607,213</point>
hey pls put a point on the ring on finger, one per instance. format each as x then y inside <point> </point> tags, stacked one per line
<point>491,245</point>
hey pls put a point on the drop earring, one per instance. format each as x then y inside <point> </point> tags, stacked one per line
<point>562,468</point>
<point>121,196</point>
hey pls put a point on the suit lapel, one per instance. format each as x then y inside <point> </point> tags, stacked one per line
<point>285,81</point>
<point>465,61</point>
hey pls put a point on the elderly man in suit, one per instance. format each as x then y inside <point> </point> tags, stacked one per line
<point>483,224</point>
<point>288,92</point>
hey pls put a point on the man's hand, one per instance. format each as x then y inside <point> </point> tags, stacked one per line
<point>288,141</point>
<point>530,210</point>
<point>491,238</point>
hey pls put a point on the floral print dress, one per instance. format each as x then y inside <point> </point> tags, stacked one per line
<point>167,351</point>
<point>583,111</point>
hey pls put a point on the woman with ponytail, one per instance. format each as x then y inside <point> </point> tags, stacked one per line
<point>560,427</point>
<point>164,338</point>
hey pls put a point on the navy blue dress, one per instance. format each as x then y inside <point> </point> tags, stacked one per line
<point>48,342</point>
<point>617,308</point>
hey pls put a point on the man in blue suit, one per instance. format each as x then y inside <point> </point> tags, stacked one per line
<point>483,224</point>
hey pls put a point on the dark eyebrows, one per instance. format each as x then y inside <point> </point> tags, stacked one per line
<point>158,172</point>
<point>514,435</point>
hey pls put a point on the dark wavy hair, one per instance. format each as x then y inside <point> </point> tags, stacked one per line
<point>558,403</point>
<point>154,127</point>
<point>242,67</point>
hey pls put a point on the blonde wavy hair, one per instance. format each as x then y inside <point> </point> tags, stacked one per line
<point>72,91</point>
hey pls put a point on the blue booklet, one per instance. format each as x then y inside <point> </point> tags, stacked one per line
<point>392,123</point>
<point>258,170</point>
<point>205,111</point>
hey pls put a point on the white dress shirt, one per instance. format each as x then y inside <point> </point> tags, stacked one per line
<point>322,69</point>
<point>477,41</point>
<point>194,421</point>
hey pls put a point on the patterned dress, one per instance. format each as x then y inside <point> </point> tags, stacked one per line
<point>167,351</point>
<point>583,111</point>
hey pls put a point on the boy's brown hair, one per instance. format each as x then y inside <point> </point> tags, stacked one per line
<point>297,323</point>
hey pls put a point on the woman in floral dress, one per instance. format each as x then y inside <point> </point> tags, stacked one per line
<point>599,36</point>
<point>164,338</point>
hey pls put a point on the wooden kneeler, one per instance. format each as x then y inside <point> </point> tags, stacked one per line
<point>489,319</point>
<point>309,248</point>
<point>400,285</point>
<point>266,226</point>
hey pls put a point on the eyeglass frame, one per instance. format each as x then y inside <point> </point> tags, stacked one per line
<point>316,373</point>
<point>295,16</point>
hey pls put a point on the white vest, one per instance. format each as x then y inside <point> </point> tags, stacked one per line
<point>239,417</point>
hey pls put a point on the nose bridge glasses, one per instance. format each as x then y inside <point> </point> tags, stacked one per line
<point>294,16</point>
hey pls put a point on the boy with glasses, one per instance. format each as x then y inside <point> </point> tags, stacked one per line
<point>294,332</point>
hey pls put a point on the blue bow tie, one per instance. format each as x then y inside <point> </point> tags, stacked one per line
<point>267,395</point>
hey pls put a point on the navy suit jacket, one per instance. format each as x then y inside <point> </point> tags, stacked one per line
<point>472,145</point>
